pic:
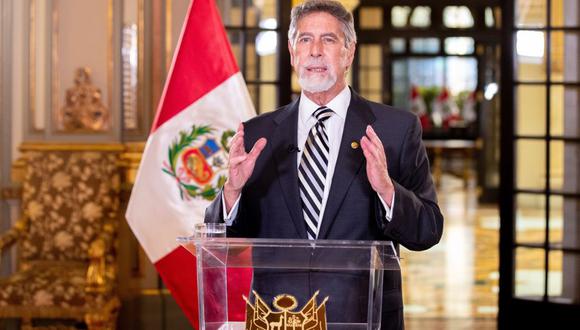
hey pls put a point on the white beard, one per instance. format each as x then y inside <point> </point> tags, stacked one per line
<point>317,84</point>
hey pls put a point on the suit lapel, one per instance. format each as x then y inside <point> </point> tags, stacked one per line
<point>349,161</point>
<point>285,136</point>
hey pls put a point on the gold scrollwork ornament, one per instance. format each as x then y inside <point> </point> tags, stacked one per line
<point>84,110</point>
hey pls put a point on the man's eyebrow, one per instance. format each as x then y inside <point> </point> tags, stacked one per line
<point>330,34</point>
<point>310,34</point>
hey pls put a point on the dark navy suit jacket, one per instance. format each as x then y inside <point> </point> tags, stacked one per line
<point>270,205</point>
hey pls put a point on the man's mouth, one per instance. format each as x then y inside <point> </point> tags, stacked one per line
<point>316,69</point>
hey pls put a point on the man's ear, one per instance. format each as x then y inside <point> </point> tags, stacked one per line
<point>350,55</point>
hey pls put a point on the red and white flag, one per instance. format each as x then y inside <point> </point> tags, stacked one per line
<point>185,158</point>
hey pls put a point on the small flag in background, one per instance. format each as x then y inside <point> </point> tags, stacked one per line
<point>185,159</point>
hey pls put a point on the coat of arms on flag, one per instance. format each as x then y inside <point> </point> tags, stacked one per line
<point>198,162</point>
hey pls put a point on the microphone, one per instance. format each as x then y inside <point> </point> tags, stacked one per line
<point>292,148</point>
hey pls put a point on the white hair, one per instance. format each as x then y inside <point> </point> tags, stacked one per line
<point>331,7</point>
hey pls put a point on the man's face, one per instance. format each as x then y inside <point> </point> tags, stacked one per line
<point>319,55</point>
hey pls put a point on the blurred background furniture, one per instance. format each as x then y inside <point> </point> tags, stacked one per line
<point>464,151</point>
<point>66,238</point>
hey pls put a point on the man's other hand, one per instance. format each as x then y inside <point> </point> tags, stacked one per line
<point>377,171</point>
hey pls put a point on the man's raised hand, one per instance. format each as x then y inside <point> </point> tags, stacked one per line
<point>377,171</point>
<point>241,166</point>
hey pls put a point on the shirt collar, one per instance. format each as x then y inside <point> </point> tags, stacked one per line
<point>339,104</point>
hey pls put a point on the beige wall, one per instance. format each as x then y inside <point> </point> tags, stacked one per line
<point>81,32</point>
<point>51,40</point>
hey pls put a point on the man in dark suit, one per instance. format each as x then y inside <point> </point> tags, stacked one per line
<point>330,165</point>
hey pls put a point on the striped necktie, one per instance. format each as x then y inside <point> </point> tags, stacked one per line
<point>312,172</point>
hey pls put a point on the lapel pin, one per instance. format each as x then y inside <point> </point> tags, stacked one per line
<point>354,145</point>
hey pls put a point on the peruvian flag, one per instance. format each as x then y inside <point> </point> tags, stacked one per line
<point>185,159</point>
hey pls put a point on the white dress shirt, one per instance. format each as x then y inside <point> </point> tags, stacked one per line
<point>334,128</point>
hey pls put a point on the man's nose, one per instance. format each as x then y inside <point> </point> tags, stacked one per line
<point>316,49</point>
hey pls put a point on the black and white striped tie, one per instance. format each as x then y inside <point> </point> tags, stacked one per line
<point>312,172</point>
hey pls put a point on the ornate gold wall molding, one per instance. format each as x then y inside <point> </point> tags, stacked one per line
<point>130,161</point>
<point>130,157</point>
<point>32,46</point>
<point>43,146</point>
<point>17,171</point>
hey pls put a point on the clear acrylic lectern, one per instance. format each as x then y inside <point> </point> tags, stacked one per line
<point>290,284</point>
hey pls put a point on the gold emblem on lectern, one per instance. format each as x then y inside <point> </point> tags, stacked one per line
<point>259,316</point>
